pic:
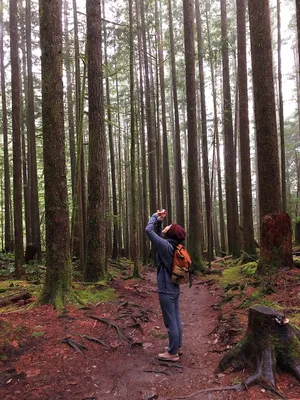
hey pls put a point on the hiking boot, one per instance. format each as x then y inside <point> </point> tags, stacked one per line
<point>180,352</point>
<point>168,357</point>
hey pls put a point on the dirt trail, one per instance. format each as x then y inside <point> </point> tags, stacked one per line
<point>51,370</point>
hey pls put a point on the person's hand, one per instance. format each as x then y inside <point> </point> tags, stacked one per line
<point>161,214</point>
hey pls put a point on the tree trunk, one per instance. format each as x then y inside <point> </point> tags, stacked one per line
<point>69,97</point>
<point>264,107</point>
<point>246,187</point>
<point>193,165</point>
<point>275,244</point>
<point>133,163</point>
<point>111,149</point>
<point>34,193</point>
<point>230,162</point>
<point>166,193</point>
<point>179,199</point>
<point>150,131</point>
<point>269,341</point>
<point>281,117</point>
<point>8,245</point>
<point>97,174</point>
<point>145,214</point>
<point>57,285</point>
<point>297,233</point>
<point>16,128</point>
<point>216,134</point>
<point>208,202</point>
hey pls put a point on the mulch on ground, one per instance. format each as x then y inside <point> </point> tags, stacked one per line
<point>109,350</point>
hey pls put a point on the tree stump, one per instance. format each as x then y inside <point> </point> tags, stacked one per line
<point>270,341</point>
<point>275,244</point>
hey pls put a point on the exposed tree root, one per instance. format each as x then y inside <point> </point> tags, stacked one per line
<point>111,324</point>
<point>75,346</point>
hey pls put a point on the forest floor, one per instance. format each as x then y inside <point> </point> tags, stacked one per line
<point>35,363</point>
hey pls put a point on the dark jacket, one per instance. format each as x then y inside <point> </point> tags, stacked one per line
<point>165,251</point>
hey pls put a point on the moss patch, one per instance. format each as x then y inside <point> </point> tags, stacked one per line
<point>249,269</point>
<point>231,276</point>
<point>92,295</point>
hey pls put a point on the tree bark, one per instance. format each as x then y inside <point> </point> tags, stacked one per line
<point>281,116</point>
<point>34,193</point>
<point>275,244</point>
<point>230,162</point>
<point>8,245</point>
<point>264,107</point>
<point>269,341</point>
<point>193,165</point>
<point>179,200</point>
<point>166,192</point>
<point>150,131</point>
<point>111,149</point>
<point>97,174</point>
<point>246,187</point>
<point>208,202</point>
<point>57,287</point>
<point>16,128</point>
<point>133,163</point>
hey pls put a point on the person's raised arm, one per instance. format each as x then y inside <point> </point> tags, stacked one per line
<point>155,224</point>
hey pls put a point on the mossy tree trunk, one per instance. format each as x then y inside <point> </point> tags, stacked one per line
<point>275,244</point>
<point>97,173</point>
<point>269,341</point>
<point>57,285</point>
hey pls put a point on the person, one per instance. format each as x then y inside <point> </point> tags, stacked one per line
<point>168,292</point>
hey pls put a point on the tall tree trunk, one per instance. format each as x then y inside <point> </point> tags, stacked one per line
<point>150,131</point>
<point>179,199</point>
<point>216,134</point>
<point>264,106</point>
<point>276,246</point>
<point>8,245</point>
<point>281,117</point>
<point>133,162</point>
<point>230,162</point>
<point>69,96</point>
<point>97,174</point>
<point>246,187</point>
<point>145,214</point>
<point>193,166</point>
<point>34,196</point>
<point>166,188</point>
<point>57,285</point>
<point>16,128</point>
<point>111,148</point>
<point>208,203</point>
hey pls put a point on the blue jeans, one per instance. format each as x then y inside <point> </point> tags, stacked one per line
<point>170,309</point>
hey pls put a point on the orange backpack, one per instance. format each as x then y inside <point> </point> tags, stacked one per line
<point>181,268</point>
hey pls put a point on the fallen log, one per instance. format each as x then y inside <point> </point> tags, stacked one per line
<point>23,295</point>
<point>270,341</point>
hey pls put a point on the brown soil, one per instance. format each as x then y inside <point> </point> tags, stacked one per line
<point>36,365</point>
